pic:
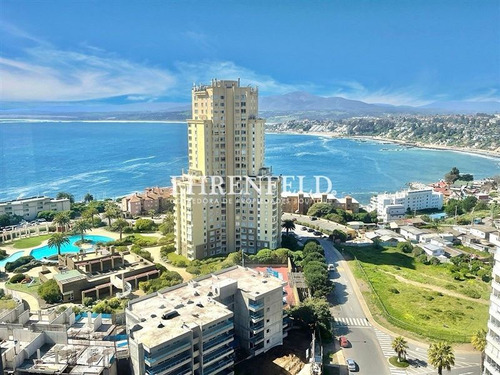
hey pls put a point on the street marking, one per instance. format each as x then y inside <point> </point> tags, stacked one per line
<point>395,371</point>
<point>344,322</point>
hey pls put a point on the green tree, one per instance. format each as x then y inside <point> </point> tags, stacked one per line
<point>405,247</point>
<point>314,312</point>
<point>466,177</point>
<point>453,206</point>
<point>47,215</point>
<point>288,225</point>
<point>399,344</point>
<point>145,225</point>
<point>152,213</point>
<point>49,291</point>
<point>168,224</point>
<point>89,213</point>
<point>478,341</point>
<point>111,211</point>
<point>452,175</point>
<point>61,220</point>
<point>468,203</point>
<point>64,195</point>
<point>88,198</point>
<point>57,240</point>
<point>81,226</point>
<point>441,356</point>
<point>339,235</point>
<point>320,209</point>
<point>4,220</point>
<point>120,225</point>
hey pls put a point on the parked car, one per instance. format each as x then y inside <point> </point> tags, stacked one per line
<point>351,365</point>
<point>313,218</point>
<point>304,228</point>
<point>331,267</point>
<point>318,233</point>
<point>344,343</point>
<point>310,230</point>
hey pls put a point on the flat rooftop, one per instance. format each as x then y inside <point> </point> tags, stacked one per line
<point>175,311</point>
<point>69,276</point>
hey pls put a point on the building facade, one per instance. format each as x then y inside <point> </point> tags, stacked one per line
<point>28,208</point>
<point>299,203</point>
<point>153,199</point>
<point>394,206</point>
<point>492,352</point>
<point>194,328</point>
<point>227,201</point>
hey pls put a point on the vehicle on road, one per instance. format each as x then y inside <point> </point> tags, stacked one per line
<point>304,228</point>
<point>310,230</point>
<point>344,343</point>
<point>313,218</point>
<point>317,233</point>
<point>351,365</point>
<point>331,267</point>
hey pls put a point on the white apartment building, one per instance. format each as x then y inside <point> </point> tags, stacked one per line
<point>394,206</point>
<point>29,208</point>
<point>225,139</point>
<point>492,352</point>
<point>191,328</point>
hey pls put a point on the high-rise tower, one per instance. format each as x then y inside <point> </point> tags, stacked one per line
<point>228,200</point>
<point>492,352</point>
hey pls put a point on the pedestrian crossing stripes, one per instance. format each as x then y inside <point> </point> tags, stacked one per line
<point>339,322</point>
<point>385,342</point>
<point>397,371</point>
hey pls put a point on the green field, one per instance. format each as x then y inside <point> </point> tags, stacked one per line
<point>7,304</point>
<point>425,312</point>
<point>32,289</point>
<point>25,243</point>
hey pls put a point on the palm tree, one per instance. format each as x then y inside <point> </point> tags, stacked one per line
<point>62,220</point>
<point>121,224</point>
<point>441,356</point>
<point>89,213</point>
<point>88,198</point>
<point>478,341</point>
<point>111,212</point>
<point>399,344</point>
<point>57,240</point>
<point>81,226</point>
<point>288,225</point>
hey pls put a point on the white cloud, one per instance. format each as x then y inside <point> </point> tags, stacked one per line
<point>410,95</point>
<point>202,72</point>
<point>50,74</point>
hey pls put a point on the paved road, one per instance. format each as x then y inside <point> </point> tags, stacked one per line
<point>371,347</point>
<point>321,223</point>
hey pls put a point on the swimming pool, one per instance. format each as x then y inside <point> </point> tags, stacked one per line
<point>12,258</point>
<point>46,251</point>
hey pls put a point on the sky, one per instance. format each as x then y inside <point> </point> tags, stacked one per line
<point>147,53</point>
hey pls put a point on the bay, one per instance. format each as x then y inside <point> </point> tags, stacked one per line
<point>111,159</point>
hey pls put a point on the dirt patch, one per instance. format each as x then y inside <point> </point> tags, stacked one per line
<point>287,359</point>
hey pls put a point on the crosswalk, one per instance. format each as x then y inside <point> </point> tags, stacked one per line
<point>397,371</point>
<point>385,342</point>
<point>342,322</point>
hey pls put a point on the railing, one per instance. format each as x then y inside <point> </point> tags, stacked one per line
<point>172,363</point>
<point>433,334</point>
<point>211,369</point>
<point>156,356</point>
<point>255,306</point>
<point>216,341</point>
<point>224,327</point>
<point>218,353</point>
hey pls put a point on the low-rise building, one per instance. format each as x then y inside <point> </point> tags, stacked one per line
<point>194,328</point>
<point>482,231</point>
<point>28,208</point>
<point>152,199</point>
<point>433,250</point>
<point>412,234</point>
<point>390,206</point>
<point>99,274</point>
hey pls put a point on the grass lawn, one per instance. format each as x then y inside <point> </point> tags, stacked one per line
<point>25,243</point>
<point>32,289</point>
<point>394,361</point>
<point>7,304</point>
<point>174,258</point>
<point>470,250</point>
<point>421,311</point>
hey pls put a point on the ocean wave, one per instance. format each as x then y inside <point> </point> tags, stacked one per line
<point>137,159</point>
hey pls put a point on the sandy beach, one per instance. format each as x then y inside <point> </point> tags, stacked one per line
<point>465,150</point>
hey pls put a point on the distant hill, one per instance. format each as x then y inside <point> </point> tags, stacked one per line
<point>465,106</point>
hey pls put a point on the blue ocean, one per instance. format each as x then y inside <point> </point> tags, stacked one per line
<point>111,159</point>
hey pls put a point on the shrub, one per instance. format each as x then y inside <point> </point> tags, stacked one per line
<point>194,270</point>
<point>405,247</point>
<point>145,225</point>
<point>160,267</point>
<point>394,290</point>
<point>49,292</point>
<point>164,250</point>
<point>179,263</point>
<point>457,275</point>
<point>11,266</point>
<point>18,277</point>
<point>422,258</point>
<point>87,301</point>
<point>167,279</point>
<point>417,251</point>
<point>121,248</point>
<point>434,261</point>
<point>472,293</point>
<point>135,248</point>
<point>128,230</point>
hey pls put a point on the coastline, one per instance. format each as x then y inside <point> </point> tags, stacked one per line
<point>463,150</point>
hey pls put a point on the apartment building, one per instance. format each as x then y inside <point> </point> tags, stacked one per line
<point>216,212</point>
<point>152,199</point>
<point>492,352</point>
<point>194,328</point>
<point>394,206</point>
<point>28,208</point>
<point>299,203</point>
